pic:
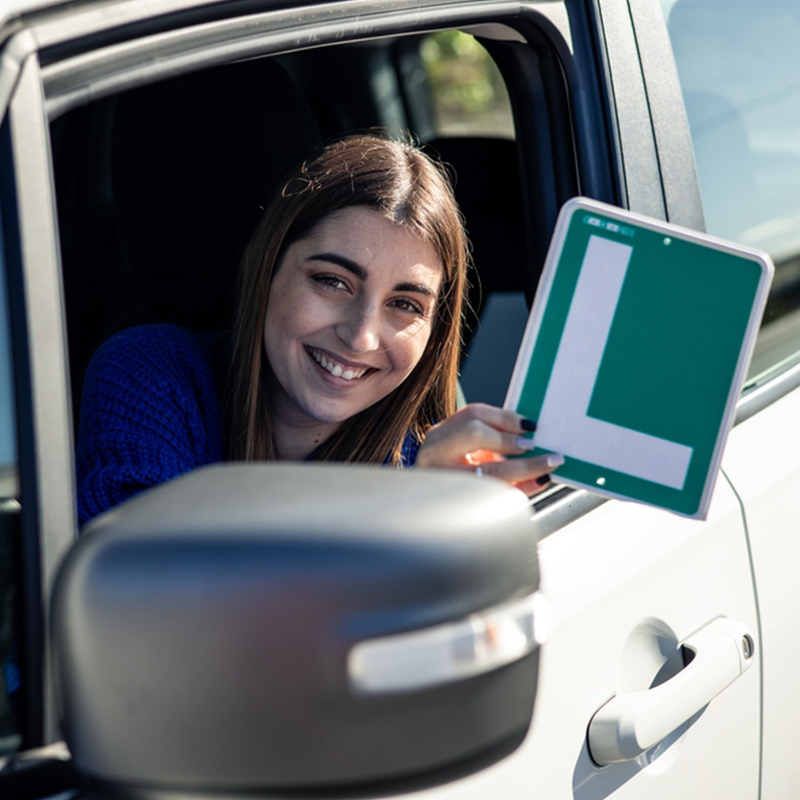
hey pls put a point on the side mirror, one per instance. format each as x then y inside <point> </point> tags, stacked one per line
<point>278,626</point>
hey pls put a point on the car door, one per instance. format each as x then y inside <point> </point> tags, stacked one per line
<point>635,593</point>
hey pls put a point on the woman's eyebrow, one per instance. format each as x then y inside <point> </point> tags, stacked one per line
<point>362,274</point>
<point>419,288</point>
<point>342,261</point>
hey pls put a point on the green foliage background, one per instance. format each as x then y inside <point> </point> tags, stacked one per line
<point>468,92</point>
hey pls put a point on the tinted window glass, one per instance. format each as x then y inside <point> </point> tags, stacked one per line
<point>9,517</point>
<point>467,92</point>
<point>740,76</point>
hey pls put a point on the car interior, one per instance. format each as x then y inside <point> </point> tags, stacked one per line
<point>159,187</point>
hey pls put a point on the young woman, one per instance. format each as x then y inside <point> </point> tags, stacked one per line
<point>345,345</point>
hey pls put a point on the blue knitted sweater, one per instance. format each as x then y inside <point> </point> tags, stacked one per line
<point>151,410</point>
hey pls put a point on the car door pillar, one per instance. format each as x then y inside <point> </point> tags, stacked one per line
<point>45,419</point>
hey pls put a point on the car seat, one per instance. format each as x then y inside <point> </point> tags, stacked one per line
<point>489,193</point>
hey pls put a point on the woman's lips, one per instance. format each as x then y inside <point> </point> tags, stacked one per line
<point>338,369</point>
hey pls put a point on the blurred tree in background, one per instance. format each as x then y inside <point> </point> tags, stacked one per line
<point>467,91</point>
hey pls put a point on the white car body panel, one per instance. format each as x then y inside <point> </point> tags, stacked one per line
<point>763,462</point>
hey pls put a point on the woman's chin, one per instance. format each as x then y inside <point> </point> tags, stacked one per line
<point>331,416</point>
<point>329,407</point>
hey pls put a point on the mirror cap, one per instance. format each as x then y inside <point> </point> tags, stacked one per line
<point>211,633</point>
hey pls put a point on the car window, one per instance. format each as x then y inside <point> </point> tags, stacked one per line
<point>10,677</point>
<point>444,87</point>
<point>189,145</point>
<point>741,86</point>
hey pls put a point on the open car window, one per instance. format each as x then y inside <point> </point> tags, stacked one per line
<point>158,175</point>
<point>159,187</point>
<point>161,177</point>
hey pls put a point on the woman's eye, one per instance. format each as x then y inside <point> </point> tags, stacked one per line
<point>404,304</point>
<point>330,280</point>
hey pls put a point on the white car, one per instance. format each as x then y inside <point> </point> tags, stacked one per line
<point>396,651</point>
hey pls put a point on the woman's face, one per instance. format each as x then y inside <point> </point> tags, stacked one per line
<point>350,312</point>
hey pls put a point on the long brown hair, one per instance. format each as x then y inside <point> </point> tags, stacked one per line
<point>411,190</point>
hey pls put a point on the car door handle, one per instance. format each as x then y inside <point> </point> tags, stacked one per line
<point>629,724</point>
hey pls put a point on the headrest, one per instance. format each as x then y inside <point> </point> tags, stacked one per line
<point>489,193</point>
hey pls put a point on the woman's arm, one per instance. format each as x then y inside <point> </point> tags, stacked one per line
<point>481,427</point>
<point>150,411</point>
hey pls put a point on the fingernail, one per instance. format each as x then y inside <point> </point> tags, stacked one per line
<point>543,480</point>
<point>527,424</point>
<point>523,443</point>
<point>554,460</point>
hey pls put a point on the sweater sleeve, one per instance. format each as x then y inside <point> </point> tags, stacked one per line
<point>408,455</point>
<point>150,411</point>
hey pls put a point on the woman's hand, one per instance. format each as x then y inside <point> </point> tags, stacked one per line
<point>481,427</point>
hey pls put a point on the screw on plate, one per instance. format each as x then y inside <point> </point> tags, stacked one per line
<point>747,646</point>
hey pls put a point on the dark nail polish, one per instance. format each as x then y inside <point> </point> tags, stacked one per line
<point>543,480</point>
<point>527,424</point>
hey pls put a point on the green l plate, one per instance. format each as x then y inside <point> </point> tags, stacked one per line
<point>635,352</point>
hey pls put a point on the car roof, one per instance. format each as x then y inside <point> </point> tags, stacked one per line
<point>14,8</point>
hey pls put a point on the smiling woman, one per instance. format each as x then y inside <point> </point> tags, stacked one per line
<point>361,260</point>
<point>350,315</point>
<point>345,344</point>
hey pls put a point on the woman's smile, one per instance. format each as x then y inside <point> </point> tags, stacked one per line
<point>338,367</point>
<point>350,313</point>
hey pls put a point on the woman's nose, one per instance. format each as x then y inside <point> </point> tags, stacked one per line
<point>360,329</point>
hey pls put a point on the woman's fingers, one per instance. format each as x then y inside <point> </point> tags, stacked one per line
<point>480,427</point>
<point>449,446</point>
<point>500,418</point>
<point>535,486</point>
<point>474,427</point>
<point>523,471</point>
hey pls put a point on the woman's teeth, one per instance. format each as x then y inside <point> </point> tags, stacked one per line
<point>336,369</point>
